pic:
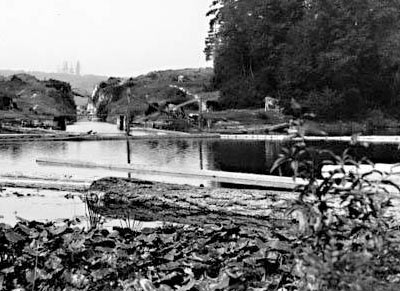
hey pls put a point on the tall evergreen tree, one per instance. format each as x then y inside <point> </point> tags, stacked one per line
<point>339,57</point>
<point>246,40</point>
<point>342,58</point>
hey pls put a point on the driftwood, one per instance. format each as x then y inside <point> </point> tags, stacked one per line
<point>153,201</point>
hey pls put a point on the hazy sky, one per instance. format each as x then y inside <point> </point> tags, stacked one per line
<point>109,37</point>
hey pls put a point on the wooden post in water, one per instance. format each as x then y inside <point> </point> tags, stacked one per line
<point>128,153</point>
<point>128,113</point>
<point>128,127</point>
<point>200,113</point>
<point>201,154</point>
<point>120,122</point>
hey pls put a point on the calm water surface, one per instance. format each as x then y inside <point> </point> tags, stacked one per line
<point>191,154</point>
<point>19,158</point>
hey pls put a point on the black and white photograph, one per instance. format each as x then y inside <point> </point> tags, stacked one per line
<point>200,145</point>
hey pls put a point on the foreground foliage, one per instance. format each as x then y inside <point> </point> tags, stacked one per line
<point>37,256</point>
<point>344,223</point>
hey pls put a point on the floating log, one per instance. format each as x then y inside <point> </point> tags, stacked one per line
<point>150,134</point>
<point>368,139</point>
<point>44,183</point>
<point>216,176</point>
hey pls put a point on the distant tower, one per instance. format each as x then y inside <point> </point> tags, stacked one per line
<point>71,69</point>
<point>65,68</point>
<point>78,68</point>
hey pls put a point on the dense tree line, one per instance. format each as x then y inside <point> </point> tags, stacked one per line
<point>338,57</point>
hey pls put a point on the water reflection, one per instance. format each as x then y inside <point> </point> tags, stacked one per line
<point>40,205</point>
<point>177,155</point>
<point>48,205</point>
<point>237,156</point>
<point>377,153</point>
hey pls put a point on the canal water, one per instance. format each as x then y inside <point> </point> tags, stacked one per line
<point>247,156</point>
<point>19,158</point>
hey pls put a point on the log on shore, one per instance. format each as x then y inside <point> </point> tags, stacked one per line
<point>153,201</point>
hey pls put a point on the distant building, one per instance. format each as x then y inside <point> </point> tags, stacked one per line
<point>209,100</point>
<point>270,104</point>
<point>81,110</point>
<point>91,108</point>
<point>69,68</point>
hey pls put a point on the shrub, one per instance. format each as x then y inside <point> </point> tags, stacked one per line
<point>377,119</point>
<point>343,232</point>
<point>327,103</point>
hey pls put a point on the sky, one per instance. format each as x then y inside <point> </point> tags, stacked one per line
<point>108,37</point>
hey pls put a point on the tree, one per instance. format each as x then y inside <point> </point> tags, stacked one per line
<point>338,57</point>
<point>245,40</point>
<point>347,48</point>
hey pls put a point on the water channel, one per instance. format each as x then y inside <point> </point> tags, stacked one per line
<point>19,158</point>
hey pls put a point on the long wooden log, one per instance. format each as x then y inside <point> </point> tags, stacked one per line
<point>152,201</point>
<point>44,183</point>
<point>216,176</point>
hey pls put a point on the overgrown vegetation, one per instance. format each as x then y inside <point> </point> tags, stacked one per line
<point>338,57</point>
<point>346,238</point>
<point>38,256</point>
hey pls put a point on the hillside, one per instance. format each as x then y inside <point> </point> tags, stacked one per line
<point>155,87</point>
<point>22,96</point>
<point>84,84</point>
